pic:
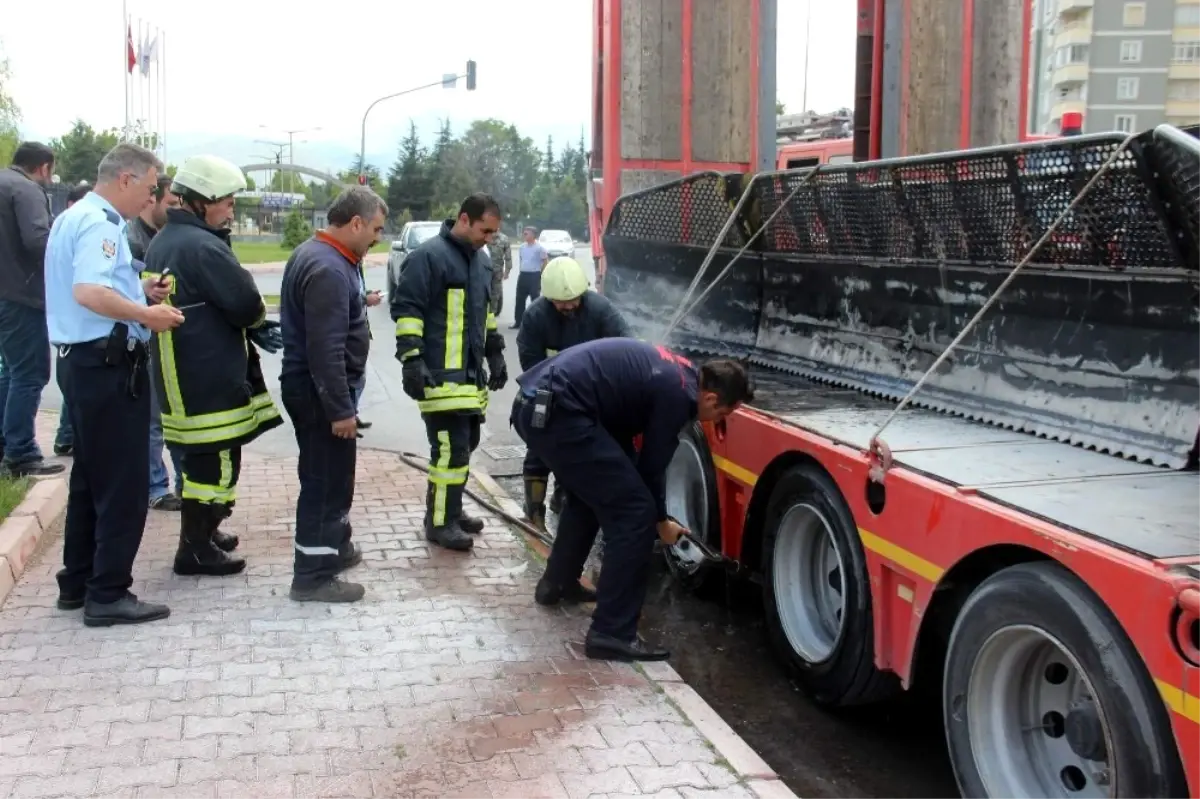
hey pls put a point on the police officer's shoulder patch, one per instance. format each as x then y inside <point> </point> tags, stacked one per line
<point>110,248</point>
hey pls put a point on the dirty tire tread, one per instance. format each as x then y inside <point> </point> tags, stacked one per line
<point>849,676</point>
<point>704,583</point>
<point>1047,595</point>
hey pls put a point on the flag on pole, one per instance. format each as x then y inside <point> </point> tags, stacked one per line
<point>149,53</point>
<point>130,55</point>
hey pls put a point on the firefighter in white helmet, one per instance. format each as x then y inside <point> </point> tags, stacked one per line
<point>214,397</point>
<point>567,313</point>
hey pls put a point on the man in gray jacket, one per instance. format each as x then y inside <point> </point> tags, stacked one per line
<point>24,342</point>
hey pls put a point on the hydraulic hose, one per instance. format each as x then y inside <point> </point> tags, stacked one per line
<point>419,462</point>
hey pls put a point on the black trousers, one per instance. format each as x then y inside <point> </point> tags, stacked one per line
<point>211,477</point>
<point>452,439</point>
<point>529,287</point>
<point>604,489</point>
<point>326,470</point>
<point>109,486</point>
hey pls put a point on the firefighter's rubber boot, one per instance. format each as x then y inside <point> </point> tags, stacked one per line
<point>470,524</point>
<point>197,554</point>
<point>227,542</point>
<point>450,536</point>
<point>535,502</point>
<point>556,500</point>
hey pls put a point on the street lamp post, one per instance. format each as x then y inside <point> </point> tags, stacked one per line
<point>447,81</point>
<point>291,145</point>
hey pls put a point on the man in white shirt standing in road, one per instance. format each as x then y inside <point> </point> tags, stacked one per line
<point>533,259</point>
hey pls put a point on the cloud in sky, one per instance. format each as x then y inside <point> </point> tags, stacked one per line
<point>239,71</point>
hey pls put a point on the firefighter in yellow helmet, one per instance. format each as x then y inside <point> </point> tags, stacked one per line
<point>567,313</point>
<point>208,375</point>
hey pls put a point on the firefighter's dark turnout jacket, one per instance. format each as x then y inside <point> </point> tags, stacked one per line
<point>443,313</point>
<point>208,374</point>
<point>545,332</point>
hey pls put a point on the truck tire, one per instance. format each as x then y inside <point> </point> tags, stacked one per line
<point>691,492</point>
<point>1044,695</point>
<point>817,593</point>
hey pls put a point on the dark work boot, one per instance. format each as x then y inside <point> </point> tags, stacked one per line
<point>556,500</point>
<point>450,536</point>
<point>126,610</point>
<point>604,647</point>
<point>470,524</point>
<point>331,590</point>
<point>226,542</point>
<point>535,501</point>
<point>549,594</point>
<point>349,556</point>
<point>197,554</point>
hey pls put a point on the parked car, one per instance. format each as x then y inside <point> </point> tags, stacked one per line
<point>557,243</point>
<point>411,235</point>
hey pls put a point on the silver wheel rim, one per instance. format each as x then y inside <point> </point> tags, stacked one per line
<point>687,489</point>
<point>1023,686</point>
<point>809,580</point>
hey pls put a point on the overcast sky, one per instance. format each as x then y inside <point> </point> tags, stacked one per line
<point>251,69</point>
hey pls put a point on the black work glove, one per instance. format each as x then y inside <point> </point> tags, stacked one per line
<point>267,337</point>
<point>416,378</point>
<point>498,371</point>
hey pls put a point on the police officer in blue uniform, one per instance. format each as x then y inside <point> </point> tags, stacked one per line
<point>579,413</point>
<point>100,323</point>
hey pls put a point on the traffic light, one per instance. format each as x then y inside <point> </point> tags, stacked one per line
<point>470,76</point>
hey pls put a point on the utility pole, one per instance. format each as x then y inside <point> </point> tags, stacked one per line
<point>279,146</point>
<point>807,48</point>
<point>291,145</point>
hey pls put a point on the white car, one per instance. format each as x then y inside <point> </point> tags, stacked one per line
<point>411,236</point>
<point>557,243</point>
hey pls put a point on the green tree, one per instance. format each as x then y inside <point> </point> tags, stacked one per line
<point>77,154</point>
<point>281,182</point>
<point>350,176</point>
<point>296,230</point>
<point>10,116</point>
<point>502,163</point>
<point>409,182</point>
<point>780,108</point>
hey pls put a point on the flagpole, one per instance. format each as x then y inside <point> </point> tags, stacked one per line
<point>163,86</point>
<point>125,66</point>
<point>158,91</point>
<point>135,86</point>
<point>143,89</point>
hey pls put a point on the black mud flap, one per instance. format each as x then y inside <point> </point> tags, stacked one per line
<point>870,270</point>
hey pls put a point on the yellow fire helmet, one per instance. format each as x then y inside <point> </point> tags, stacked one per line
<point>563,280</point>
<point>210,176</point>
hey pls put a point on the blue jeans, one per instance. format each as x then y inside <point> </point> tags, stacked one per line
<point>356,390</point>
<point>24,372</point>
<point>160,484</point>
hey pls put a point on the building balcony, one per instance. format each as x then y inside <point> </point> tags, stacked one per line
<point>1073,34</point>
<point>1070,74</point>
<point>1070,8</point>
<point>1183,112</point>
<point>1183,72</point>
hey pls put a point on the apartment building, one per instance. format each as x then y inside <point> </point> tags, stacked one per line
<point>1124,65</point>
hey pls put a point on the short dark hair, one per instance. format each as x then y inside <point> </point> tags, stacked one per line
<point>478,205</point>
<point>31,155</point>
<point>355,201</point>
<point>728,380</point>
<point>77,193</point>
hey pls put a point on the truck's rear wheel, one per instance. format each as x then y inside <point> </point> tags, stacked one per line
<point>1045,696</point>
<point>691,493</point>
<point>817,593</point>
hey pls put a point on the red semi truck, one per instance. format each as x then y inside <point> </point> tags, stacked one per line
<point>1024,536</point>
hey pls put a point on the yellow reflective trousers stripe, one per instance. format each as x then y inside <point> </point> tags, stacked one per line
<point>224,492</point>
<point>442,476</point>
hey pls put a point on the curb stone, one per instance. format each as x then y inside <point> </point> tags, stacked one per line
<point>741,757</point>
<point>42,508</point>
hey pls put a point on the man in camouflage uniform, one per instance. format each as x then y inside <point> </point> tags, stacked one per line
<point>500,252</point>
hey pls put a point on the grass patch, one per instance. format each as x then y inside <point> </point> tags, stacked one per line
<point>267,252</point>
<point>12,491</point>
<point>271,300</point>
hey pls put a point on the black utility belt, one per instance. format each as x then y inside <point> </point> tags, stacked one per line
<point>118,347</point>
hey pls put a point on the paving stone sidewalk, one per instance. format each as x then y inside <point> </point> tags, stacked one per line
<point>446,681</point>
